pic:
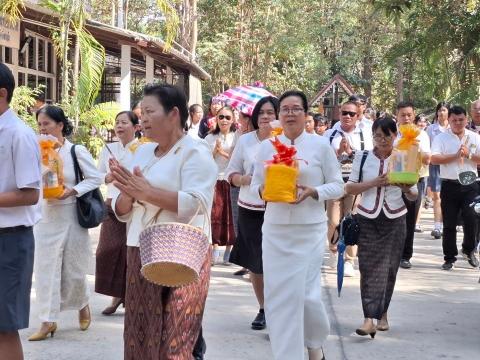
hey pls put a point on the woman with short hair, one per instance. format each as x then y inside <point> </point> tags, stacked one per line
<point>167,181</point>
<point>294,237</point>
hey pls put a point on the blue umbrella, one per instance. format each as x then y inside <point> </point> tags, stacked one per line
<point>340,264</point>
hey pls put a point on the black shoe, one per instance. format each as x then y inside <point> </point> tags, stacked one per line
<point>259,323</point>
<point>241,272</point>
<point>405,264</point>
<point>447,265</point>
<point>437,234</point>
<point>472,259</point>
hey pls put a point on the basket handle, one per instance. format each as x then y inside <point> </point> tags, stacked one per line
<point>202,206</point>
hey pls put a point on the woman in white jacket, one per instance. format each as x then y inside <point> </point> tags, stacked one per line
<point>294,236</point>
<point>62,246</point>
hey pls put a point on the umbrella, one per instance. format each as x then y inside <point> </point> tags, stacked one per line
<point>243,98</point>
<point>340,264</point>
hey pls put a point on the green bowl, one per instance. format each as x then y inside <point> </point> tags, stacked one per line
<point>408,178</point>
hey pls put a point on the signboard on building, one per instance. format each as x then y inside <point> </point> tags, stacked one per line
<point>9,34</point>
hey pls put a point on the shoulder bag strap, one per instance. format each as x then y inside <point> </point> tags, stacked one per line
<point>76,165</point>
<point>362,141</point>
<point>360,174</point>
<point>333,135</point>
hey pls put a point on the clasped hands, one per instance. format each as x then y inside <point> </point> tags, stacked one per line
<point>134,185</point>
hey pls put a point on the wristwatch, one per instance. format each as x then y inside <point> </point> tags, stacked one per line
<point>469,156</point>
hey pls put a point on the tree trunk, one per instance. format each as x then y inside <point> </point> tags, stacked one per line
<point>126,4</point>
<point>114,19</point>
<point>120,23</point>
<point>194,31</point>
<point>400,67</point>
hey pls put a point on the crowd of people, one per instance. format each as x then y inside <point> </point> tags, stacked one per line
<point>209,172</point>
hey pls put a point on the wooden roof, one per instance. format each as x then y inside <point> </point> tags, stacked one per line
<point>112,38</point>
<point>337,79</point>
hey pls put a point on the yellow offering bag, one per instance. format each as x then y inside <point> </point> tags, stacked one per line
<point>280,183</point>
<point>406,160</point>
<point>52,169</point>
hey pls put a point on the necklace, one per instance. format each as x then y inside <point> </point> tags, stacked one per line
<point>156,158</point>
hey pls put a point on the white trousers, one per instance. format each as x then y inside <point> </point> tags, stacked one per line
<point>62,256</point>
<point>295,314</point>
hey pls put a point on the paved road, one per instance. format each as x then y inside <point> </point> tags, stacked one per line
<point>434,315</point>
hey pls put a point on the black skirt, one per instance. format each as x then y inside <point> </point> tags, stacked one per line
<point>247,251</point>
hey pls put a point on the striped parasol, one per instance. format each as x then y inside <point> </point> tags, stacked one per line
<point>243,98</point>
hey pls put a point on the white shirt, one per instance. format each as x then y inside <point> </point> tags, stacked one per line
<point>187,168</point>
<point>123,154</point>
<point>423,146</point>
<point>364,123</point>
<point>228,143</point>
<point>19,168</point>
<point>434,130</point>
<point>360,138</point>
<point>242,162</point>
<point>354,137</point>
<point>374,200</point>
<point>92,177</point>
<point>193,130</point>
<point>449,143</point>
<point>319,169</point>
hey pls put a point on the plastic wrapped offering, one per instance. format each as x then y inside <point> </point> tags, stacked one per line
<point>281,174</point>
<point>52,167</point>
<point>406,160</point>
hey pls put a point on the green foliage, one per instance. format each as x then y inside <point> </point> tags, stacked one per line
<point>92,58</point>
<point>23,100</point>
<point>94,125</point>
<point>12,10</point>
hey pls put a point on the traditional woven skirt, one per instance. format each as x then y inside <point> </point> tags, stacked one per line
<point>223,232</point>
<point>111,268</point>
<point>247,251</point>
<point>162,323</point>
<point>380,248</point>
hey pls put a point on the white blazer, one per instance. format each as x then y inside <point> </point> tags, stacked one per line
<point>319,169</point>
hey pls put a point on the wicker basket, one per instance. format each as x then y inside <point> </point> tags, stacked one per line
<point>173,253</point>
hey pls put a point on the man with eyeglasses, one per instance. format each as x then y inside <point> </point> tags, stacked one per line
<point>475,115</point>
<point>405,113</point>
<point>347,138</point>
<point>457,150</point>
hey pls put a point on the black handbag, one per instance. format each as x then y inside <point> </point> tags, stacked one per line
<point>91,208</point>
<point>349,228</point>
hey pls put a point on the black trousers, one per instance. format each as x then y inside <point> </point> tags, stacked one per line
<point>456,199</point>
<point>200,347</point>
<point>413,207</point>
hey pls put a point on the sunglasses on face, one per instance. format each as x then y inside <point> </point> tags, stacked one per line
<point>349,113</point>
<point>226,117</point>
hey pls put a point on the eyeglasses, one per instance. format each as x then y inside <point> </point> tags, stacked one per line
<point>349,113</point>
<point>294,111</point>
<point>226,117</point>
<point>382,138</point>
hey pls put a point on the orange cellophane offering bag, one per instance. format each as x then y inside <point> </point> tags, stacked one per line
<point>405,161</point>
<point>52,167</point>
<point>281,174</point>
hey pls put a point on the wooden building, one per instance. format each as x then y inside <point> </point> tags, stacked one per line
<point>331,96</point>
<point>132,59</point>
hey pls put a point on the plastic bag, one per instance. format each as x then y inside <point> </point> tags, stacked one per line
<point>406,160</point>
<point>52,167</point>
